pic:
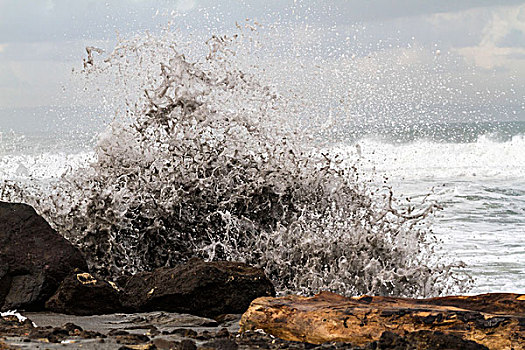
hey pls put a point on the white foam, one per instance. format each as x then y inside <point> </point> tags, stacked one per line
<point>427,160</point>
<point>21,318</point>
<point>480,186</point>
<point>13,313</point>
<point>42,166</point>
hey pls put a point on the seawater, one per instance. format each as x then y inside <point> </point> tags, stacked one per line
<point>474,171</point>
<point>478,178</point>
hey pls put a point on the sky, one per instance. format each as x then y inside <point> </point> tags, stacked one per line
<point>42,40</point>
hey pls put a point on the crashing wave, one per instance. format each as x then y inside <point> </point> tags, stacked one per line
<point>205,163</point>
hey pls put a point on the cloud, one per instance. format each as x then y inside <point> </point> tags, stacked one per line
<point>490,57</point>
<point>185,5</point>
<point>482,32</point>
<point>55,20</point>
<point>504,22</point>
<point>49,5</point>
<point>501,41</point>
<point>32,83</point>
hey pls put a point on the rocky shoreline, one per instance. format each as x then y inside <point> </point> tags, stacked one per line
<point>156,330</point>
<point>216,305</point>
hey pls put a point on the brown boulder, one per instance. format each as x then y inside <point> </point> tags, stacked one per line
<point>34,258</point>
<point>82,294</point>
<point>329,317</point>
<point>197,287</point>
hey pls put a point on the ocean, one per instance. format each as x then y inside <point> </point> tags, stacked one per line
<point>475,172</point>
<point>478,177</point>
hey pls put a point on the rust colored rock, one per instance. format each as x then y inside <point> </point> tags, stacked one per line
<point>329,317</point>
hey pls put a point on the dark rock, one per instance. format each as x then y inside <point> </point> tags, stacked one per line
<point>131,339</point>
<point>152,330</point>
<point>256,340</point>
<point>390,340</point>
<point>165,344</point>
<point>115,332</point>
<point>227,318</point>
<point>197,287</point>
<point>185,332</point>
<point>34,258</point>
<point>50,335</point>
<point>187,344</point>
<point>210,323</point>
<point>122,280</point>
<point>205,335</point>
<point>59,334</point>
<point>429,340</point>
<point>40,333</point>
<point>223,333</point>
<point>72,328</point>
<point>91,335</point>
<point>83,294</point>
<point>222,344</point>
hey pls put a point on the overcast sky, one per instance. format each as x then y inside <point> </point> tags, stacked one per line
<point>41,40</point>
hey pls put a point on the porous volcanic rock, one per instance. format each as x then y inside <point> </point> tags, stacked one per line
<point>329,317</point>
<point>83,294</point>
<point>197,287</point>
<point>34,258</point>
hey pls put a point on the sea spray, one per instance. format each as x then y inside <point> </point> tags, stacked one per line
<point>203,161</point>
